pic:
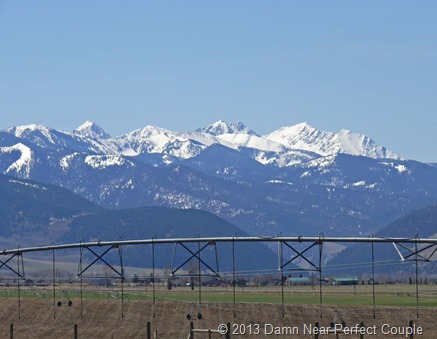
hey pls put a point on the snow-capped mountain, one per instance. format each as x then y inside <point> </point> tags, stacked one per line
<point>91,130</point>
<point>285,147</point>
<point>155,140</point>
<point>49,138</point>
<point>40,135</point>
<point>292,180</point>
<point>221,127</point>
<point>305,137</point>
<point>288,146</point>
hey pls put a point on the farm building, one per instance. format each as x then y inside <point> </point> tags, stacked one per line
<point>298,281</point>
<point>346,281</point>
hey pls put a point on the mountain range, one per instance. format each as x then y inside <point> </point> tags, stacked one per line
<point>297,180</point>
<point>284,147</point>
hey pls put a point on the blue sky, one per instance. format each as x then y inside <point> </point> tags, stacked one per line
<point>367,66</point>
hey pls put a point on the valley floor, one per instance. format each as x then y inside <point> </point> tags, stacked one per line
<point>102,318</point>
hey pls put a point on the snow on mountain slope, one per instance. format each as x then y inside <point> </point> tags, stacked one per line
<point>288,146</point>
<point>66,161</point>
<point>49,138</point>
<point>101,162</point>
<point>207,139</point>
<point>38,134</point>
<point>287,158</point>
<point>267,152</point>
<point>358,144</point>
<point>91,130</point>
<point>151,139</point>
<point>185,145</point>
<point>251,141</point>
<point>22,165</point>
<point>28,184</point>
<point>305,137</point>
<point>221,127</point>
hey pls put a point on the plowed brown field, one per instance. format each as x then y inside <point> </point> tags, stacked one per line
<point>102,319</point>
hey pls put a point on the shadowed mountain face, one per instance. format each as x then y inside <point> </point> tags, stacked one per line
<point>34,213</point>
<point>31,210</point>
<point>421,223</point>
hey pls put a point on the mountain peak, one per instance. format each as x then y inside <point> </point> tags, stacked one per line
<point>18,131</point>
<point>305,137</point>
<point>148,131</point>
<point>345,132</point>
<point>300,128</point>
<point>91,130</point>
<point>222,127</point>
<point>303,125</point>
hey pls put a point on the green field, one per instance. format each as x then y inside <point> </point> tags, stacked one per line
<point>385,295</point>
<point>393,295</point>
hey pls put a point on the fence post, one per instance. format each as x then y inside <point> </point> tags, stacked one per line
<point>75,331</point>
<point>191,330</point>
<point>361,333</point>
<point>148,335</point>
<point>411,326</point>
<point>316,335</point>
<point>228,333</point>
<point>11,331</point>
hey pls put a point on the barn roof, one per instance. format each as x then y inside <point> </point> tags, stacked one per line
<point>346,279</point>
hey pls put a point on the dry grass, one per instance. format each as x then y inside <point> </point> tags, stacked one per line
<point>102,318</point>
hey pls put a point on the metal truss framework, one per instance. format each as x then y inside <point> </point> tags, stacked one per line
<point>99,257</point>
<point>401,246</point>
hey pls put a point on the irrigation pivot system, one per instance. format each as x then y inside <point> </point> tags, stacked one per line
<point>409,249</point>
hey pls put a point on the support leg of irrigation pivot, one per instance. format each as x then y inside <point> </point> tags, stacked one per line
<point>81,282</point>
<point>415,254</point>
<point>281,270</point>
<point>199,269</point>
<point>373,278</point>
<point>19,272</point>
<point>19,260</point>
<point>301,254</point>
<point>54,283</point>
<point>196,255</point>
<point>233,274</point>
<point>99,257</point>
<point>417,278</point>
<point>320,275</point>
<point>153,276</point>
<point>120,253</point>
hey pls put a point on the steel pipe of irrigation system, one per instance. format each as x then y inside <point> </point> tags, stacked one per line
<point>298,239</point>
